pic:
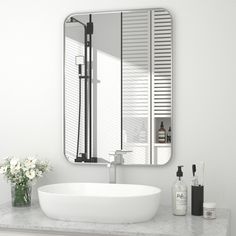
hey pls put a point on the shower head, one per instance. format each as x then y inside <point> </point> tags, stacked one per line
<point>74,20</point>
<point>71,20</point>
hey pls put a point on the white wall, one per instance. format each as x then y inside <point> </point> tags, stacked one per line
<point>31,53</point>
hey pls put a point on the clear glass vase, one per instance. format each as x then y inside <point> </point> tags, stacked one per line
<point>21,195</point>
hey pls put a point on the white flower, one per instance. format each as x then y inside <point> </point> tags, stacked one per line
<point>39,173</point>
<point>32,159</point>
<point>15,165</point>
<point>23,171</point>
<point>3,169</point>
<point>30,174</point>
<point>30,163</point>
<point>14,162</point>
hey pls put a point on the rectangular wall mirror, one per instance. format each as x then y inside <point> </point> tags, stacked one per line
<point>118,86</point>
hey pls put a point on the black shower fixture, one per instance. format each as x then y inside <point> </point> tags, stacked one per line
<point>85,76</point>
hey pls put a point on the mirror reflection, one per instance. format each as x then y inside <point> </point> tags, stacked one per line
<point>118,86</point>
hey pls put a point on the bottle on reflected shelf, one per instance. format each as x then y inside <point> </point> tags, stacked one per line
<point>161,134</point>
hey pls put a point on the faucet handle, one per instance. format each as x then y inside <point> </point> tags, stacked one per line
<point>118,156</point>
<point>121,152</point>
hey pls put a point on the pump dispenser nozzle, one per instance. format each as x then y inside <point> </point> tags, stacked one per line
<point>179,195</point>
<point>179,173</point>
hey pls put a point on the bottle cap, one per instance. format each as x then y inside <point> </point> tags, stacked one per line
<point>162,125</point>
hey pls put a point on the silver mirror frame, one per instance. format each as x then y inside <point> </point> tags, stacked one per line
<point>153,123</point>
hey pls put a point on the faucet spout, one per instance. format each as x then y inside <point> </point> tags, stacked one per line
<point>112,173</point>
<point>117,160</point>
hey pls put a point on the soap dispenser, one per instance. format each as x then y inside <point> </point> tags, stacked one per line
<point>179,195</point>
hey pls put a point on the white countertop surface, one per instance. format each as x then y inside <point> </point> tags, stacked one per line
<point>164,224</point>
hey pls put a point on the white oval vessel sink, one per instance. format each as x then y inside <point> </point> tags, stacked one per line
<point>99,203</point>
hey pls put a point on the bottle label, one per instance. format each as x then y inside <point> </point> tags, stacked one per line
<point>161,136</point>
<point>181,200</point>
<point>209,213</point>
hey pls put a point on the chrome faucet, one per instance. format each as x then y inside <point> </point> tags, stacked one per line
<point>116,159</point>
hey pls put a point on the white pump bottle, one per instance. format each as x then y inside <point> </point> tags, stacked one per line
<point>179,195</point>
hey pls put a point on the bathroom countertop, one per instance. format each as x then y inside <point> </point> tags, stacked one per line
<point>163,224</point>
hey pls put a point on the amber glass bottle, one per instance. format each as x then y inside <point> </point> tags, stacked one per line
<point>162,134</point>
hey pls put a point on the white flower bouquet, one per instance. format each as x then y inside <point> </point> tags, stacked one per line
<point>22,174</point>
